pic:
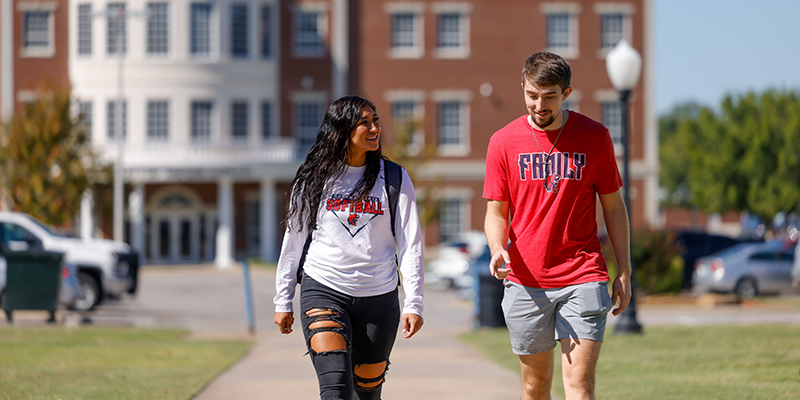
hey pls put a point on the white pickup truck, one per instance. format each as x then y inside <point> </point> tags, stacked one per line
<point>105,267</point>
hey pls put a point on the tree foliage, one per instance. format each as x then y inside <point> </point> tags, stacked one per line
<point>47,160</point>
<point>744,157</point>
<point>408,148</point>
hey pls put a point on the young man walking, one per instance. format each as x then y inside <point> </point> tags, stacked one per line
<point>544,172</point>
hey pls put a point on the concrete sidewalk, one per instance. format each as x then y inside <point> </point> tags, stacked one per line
<point>434,364</point>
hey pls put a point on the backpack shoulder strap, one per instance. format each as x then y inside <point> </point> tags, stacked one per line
<point>394,179</point>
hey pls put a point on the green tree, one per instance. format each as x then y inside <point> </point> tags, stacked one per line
<point>47,160</point>
<point>409,149</point>
<point>744,157</point>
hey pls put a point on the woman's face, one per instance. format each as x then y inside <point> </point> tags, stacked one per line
<point>365,137</point>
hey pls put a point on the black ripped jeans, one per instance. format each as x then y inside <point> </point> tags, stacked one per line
<point>369,326</point>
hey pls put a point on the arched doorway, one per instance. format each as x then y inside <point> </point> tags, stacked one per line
<point>180,227</point>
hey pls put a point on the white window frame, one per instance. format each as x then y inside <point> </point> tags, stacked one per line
<point>85,109</point>
<point>111,121</point>
<point>85,28</point>
<point>266,114</point>
<point>605,97</point>
<point>573,102</point>
<point>626,10</point>
<point>463,11</point>
<point>207,139</point>
<point>240,106</point>
<point>308,44</point>
<point>267,32</point>
<point>108,31</point>
<point>305,132</point>
<point>417,98</point>
<point>243,36</point>
<point>156,117</point>
<point>210,52</point>
<point>572,11</point>
<point>161,41</point>
<point>463,98</point>
<point>417,11</point>
<point>48,7</point>
<point>463,197</point>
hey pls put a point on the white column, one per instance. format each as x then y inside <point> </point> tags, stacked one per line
<point>224,257</point>
<point>136,215</point>
<point>6,59</point>
<point>87,215</point>
<point>268,225</point>
<point>340,48</point>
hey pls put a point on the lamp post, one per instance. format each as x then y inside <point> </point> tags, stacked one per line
<point>624,65</point>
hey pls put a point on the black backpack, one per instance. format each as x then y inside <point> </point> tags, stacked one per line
<point>394,179</point>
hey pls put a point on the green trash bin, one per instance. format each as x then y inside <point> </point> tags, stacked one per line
<point>32,281</point>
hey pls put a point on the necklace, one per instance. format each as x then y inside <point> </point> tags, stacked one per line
<point>551,179</point>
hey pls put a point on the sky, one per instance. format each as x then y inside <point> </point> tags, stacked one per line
<point>706,49</point>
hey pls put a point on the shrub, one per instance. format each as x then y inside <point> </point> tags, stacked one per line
<point>659,267</point>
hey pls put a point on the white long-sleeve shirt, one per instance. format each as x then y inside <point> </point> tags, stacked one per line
<point>352,249</point>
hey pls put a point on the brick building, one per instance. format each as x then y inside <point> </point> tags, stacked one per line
<point>33,50</point>
<point>222,98</point>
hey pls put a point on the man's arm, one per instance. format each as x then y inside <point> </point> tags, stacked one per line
<point>496,228</point>
<point>616,217</point>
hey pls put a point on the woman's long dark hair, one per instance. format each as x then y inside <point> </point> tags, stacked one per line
<point>325,162</point>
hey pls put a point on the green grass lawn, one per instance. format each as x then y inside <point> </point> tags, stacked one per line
<point>709,362</point>
<point>109,363</point>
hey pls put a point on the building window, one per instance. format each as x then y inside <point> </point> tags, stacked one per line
<point>613,26</point>
<point>266,120</point>
<point>200,29</point>
<point>308,34</point>
<point>116,29</point>
<point>84,29</point>
<point>451,31</point>
<point>612,119</point>
<point>404,112</point>
<point>559,31</point>
<point>451,124</point>
<point>85,117</point>
<point>239,119</point>
<point>266,31</point>
<point>239,30</point>
<point>309,117</point>
<point>37,30</point>
<point>201,121</point>
<point>451,223</point>
<point>157,121</point>
<point>406,35</point>
<point>157,28</point>
<point>111,117</point>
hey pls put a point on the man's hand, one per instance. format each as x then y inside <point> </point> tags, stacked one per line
<point>284,320</point>
<point>496,267</point>
<point>411,324</point>
<point>621,290</point>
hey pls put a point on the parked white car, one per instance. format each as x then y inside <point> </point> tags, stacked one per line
<point>104,267</point>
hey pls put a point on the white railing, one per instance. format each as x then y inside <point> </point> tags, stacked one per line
<point>276,151</point>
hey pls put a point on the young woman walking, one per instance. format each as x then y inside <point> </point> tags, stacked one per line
<point>339,231</point>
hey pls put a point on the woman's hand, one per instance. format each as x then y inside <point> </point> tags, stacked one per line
<point>284,320</point>
<point>411,324</point>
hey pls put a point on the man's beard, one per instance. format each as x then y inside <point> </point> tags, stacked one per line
<point>543,123</point>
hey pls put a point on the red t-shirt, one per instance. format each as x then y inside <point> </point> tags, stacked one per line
<point>553,231</point>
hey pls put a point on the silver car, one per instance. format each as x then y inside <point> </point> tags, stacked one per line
<point>747,269</point>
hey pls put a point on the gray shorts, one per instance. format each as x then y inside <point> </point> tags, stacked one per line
<point>536,318</point>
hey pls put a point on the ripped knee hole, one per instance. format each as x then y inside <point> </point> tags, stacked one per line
<point>322,342</point>
<point>369,376</point>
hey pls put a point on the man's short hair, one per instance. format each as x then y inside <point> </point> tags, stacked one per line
<point>547,69</point>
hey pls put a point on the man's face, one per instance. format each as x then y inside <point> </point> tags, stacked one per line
<point>544,104</point>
